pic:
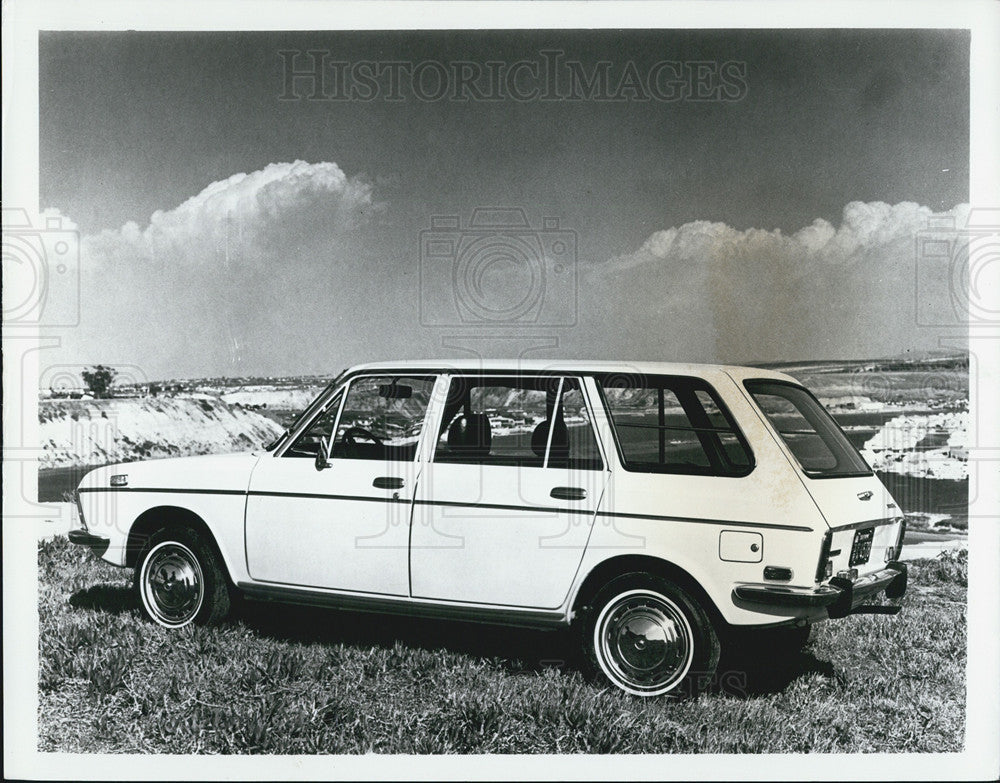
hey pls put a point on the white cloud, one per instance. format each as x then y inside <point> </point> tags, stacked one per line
<point>292,269</point>
<point>230,278</point>
<point>765,295</point>
<point>239,216</point>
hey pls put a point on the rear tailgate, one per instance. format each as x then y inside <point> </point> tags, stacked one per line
<point>864,519</point>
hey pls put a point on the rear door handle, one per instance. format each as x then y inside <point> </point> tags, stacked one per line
<point>388,482</point>
<point>568,493</point>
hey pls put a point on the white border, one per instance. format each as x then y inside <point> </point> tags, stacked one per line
<point>23,20</point>
<point>498,14</point>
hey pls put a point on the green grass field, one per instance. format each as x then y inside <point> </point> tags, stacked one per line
<point>277,679</point>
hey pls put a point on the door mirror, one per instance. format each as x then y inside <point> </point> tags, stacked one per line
<point>323,453</point>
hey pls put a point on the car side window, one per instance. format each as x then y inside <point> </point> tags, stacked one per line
<point>507,421</point>
<point>308,443</point>
<point>383,417</point>
<point>667,424</point>
<point>582,450</point>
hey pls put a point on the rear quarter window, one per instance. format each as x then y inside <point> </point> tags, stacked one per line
<point>810,432</point>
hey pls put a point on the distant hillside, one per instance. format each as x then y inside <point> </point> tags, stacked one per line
<point>290,399</point>
<point>93,432</point>
<point>925,362</point>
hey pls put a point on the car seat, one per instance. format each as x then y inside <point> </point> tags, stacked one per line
<point>560,440</point>
<point>471,435</point>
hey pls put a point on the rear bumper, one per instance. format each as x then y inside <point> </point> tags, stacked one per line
<point>96,544</point>
<point>840,597</point>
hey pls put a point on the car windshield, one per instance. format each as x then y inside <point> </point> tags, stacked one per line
<point>811,434</point>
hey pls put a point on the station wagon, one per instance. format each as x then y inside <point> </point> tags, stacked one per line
<point>655,508</point>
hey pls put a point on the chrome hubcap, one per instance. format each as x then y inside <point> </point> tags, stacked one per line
<point>644,643</point>
<point>172,584</point>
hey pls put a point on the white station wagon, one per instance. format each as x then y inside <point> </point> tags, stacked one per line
<point>658,508</point>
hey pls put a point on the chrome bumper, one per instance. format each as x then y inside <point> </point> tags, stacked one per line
<point>96,544</point>
<point>840,597</point>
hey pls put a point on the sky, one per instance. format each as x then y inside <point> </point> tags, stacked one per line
<point>733,196</point>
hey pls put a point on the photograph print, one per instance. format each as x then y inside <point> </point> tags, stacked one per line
<point>542,388</point>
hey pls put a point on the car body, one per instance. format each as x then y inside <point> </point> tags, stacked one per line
<point>655,506</point>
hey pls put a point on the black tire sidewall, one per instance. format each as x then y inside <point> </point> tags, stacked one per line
<point>216,601</point>
<point>705,640</point>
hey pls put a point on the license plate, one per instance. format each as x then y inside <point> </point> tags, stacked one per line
<point>862,548</point>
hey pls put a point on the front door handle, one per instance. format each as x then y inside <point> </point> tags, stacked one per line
<point>568,493</point>
<point>388,482</point>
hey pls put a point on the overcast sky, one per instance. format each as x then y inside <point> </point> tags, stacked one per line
<point>701,196</point>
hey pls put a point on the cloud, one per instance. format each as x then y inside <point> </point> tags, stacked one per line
<point>756,294</point>
<point>236,219</point>
<point>231,278</point>
<point>297,268</point>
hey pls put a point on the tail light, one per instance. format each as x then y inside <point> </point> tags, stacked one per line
<point>892,552</point>
<point>823,570</point>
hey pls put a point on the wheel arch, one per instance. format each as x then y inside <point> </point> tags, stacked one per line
<point>620,565</point>
<point>158,518</point>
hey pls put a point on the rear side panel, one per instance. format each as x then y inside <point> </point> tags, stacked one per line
<point>863,516</point>
<point>709,525</point>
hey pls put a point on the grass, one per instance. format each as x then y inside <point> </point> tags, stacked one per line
<point>278,679</point>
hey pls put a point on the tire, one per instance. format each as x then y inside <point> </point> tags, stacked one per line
<point>648,637</point>
<point>180,580</point>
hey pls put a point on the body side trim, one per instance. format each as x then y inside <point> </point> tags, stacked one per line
<point>165,490</point>
<point>483,613</point>
<point>494,506</point>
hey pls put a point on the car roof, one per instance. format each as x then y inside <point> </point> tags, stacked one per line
<point>738,372</point>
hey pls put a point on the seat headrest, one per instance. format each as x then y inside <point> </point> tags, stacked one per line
<point>560,439</point>
<point>471,435</point>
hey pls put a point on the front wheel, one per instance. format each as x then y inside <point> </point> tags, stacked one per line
<point>180,581</point>
<point>648,637</point>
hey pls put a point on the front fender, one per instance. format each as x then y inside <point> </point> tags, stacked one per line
<point>212,488</point>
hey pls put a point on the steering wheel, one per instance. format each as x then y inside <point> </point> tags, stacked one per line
<point>349,436</point>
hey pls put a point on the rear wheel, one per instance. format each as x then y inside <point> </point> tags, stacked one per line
<point>648,637</point>
<point>179,579</point>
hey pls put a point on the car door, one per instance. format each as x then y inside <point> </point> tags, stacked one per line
<point>505,506</point>
<point>344,524</point>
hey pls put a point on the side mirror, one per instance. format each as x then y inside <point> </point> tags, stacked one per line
<point>323,454</point>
